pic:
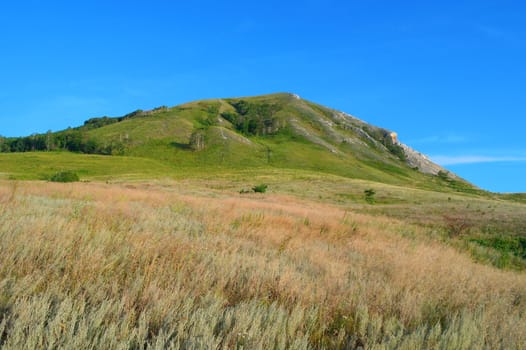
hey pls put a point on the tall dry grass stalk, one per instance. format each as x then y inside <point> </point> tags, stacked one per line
<point>112,267</point>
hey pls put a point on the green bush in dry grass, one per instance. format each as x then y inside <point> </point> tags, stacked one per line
<point>260,188</point>
<point>64,176</point>
<point>369,195</point>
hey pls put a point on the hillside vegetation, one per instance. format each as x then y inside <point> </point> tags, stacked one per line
<point>195,265</point>
<point>273,131</point>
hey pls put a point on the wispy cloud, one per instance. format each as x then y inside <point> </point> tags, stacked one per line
<point>440,139</point>
<point>472,159</point>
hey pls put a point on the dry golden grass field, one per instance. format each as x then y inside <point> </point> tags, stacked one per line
<point>196,265</point>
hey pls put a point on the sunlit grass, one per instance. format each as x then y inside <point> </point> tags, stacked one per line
<point>41,165</point>
<point>186,265</point>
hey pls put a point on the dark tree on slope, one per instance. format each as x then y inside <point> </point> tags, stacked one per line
<point>252,118</point>
<point>197,140</point>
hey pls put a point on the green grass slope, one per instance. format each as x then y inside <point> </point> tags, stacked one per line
<point>272,131</point>
<point>42,165</point>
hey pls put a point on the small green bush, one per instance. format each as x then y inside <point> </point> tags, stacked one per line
<point>443,175</point>
<point>260,188</point>
<point>369,195</point>
<point>64,176</point>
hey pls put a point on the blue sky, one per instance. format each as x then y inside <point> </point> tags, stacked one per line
<point>448,76</point>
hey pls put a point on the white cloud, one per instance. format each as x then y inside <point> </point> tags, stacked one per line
<point>471,159</point>
<point>440,139</point>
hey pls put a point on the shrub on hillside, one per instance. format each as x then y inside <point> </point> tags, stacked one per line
<point>369,195</point>
<point>457,225</point>
<point>260,188</point>
<point>64,176</point>
<point>253,118</point>
<point>443,175</point>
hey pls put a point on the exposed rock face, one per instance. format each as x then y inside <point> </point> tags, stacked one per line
<point>296,96</point>
<point>418,160</point>
<point>335,121</point>
<point>422,162</point>
<point>394,137</point>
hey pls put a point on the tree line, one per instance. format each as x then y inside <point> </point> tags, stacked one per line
<point>72,140</point>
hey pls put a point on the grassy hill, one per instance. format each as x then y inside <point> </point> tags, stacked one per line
<point>272,131</point>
